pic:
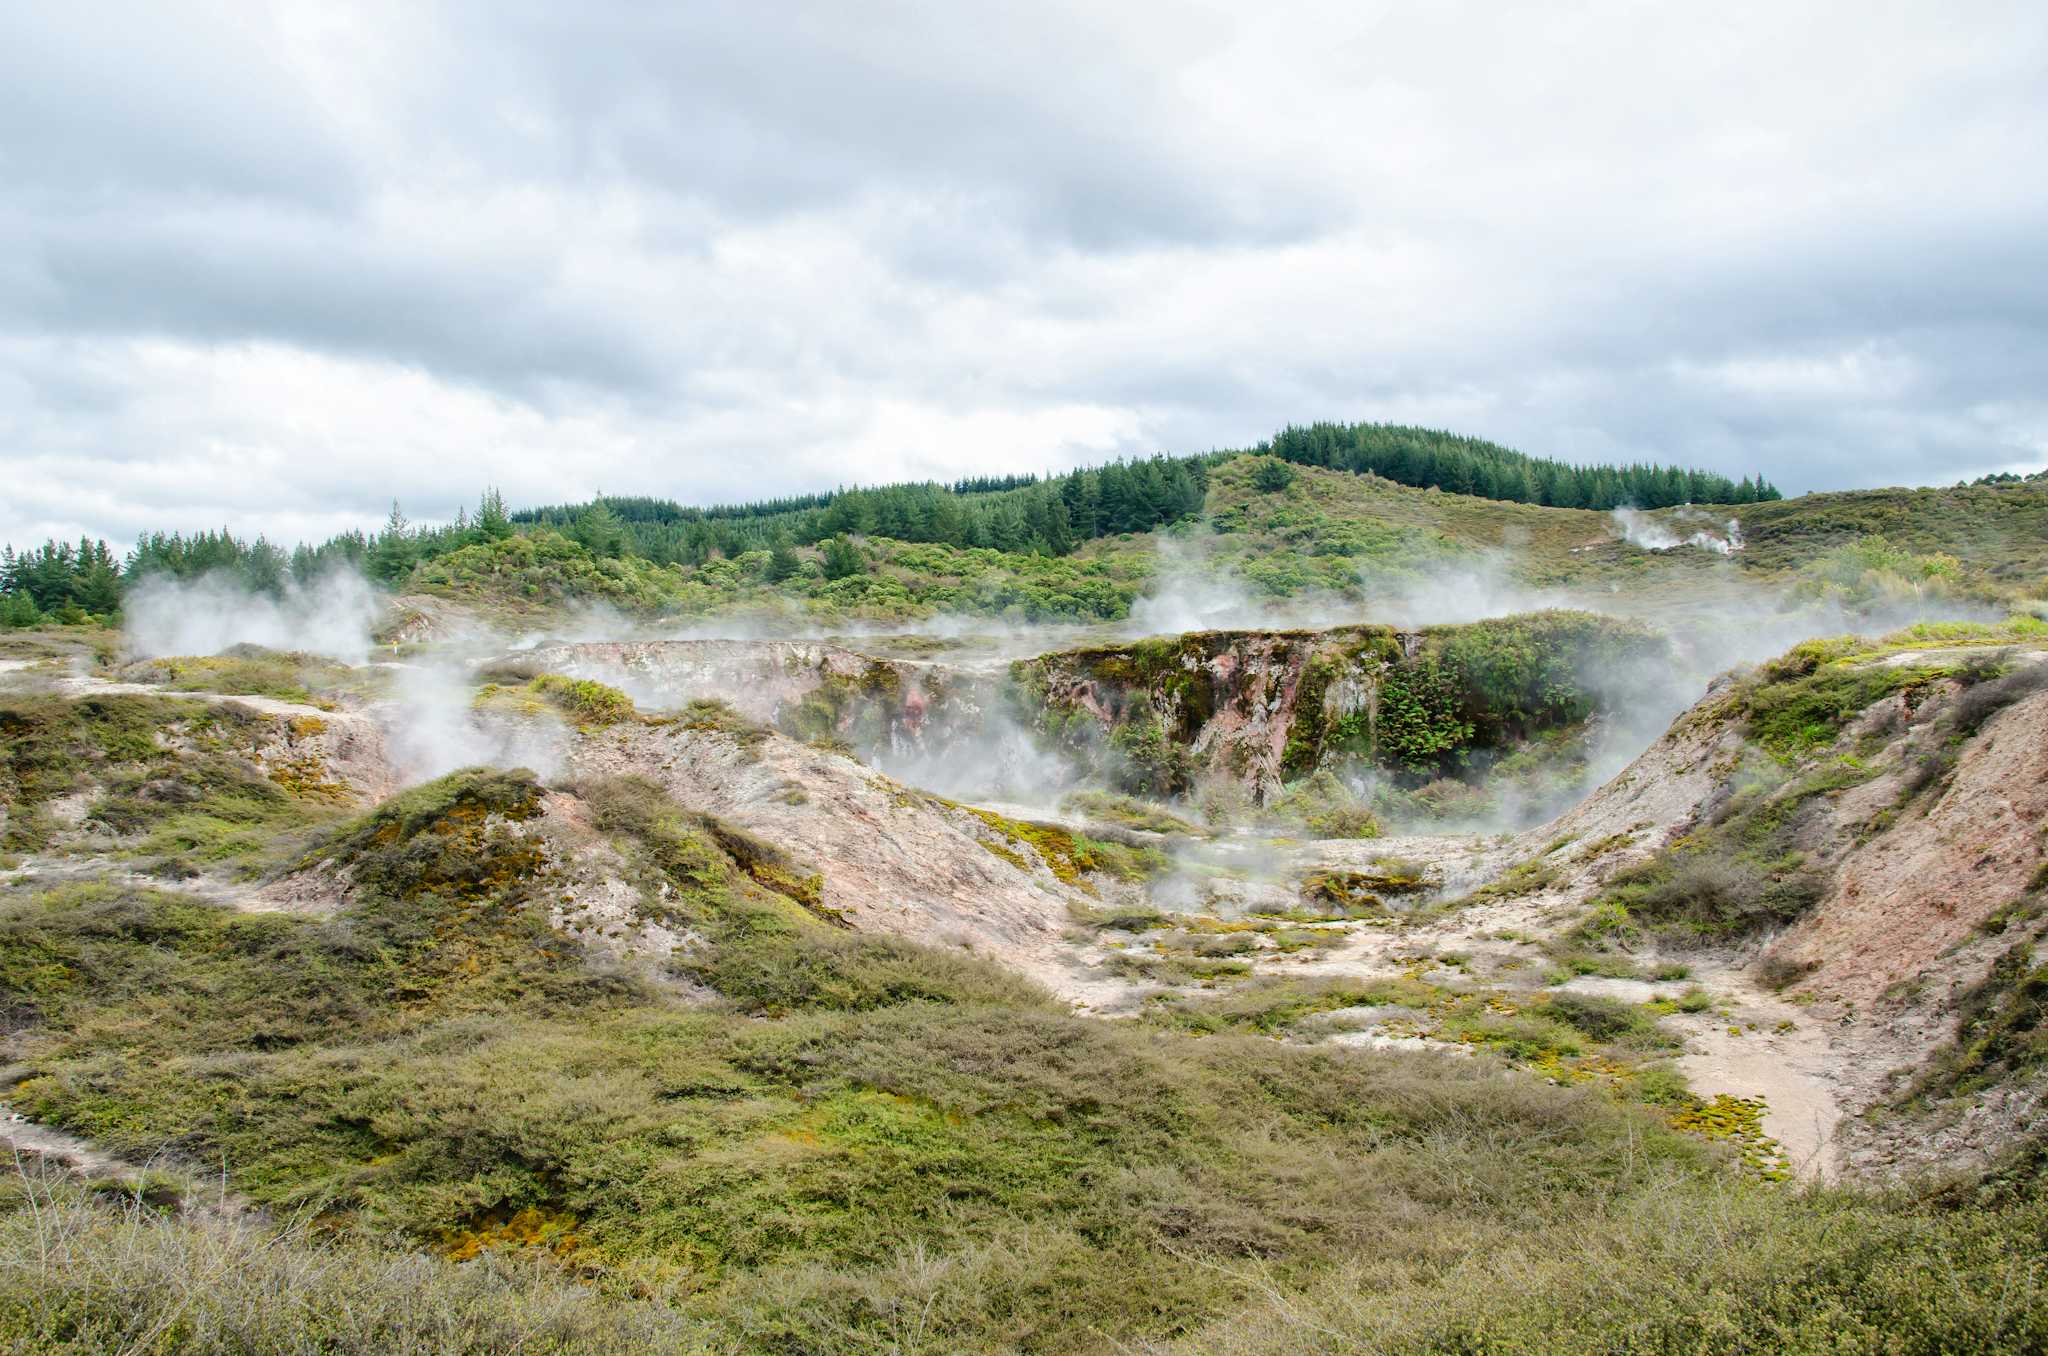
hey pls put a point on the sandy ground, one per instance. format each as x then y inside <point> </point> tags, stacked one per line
<point>1760,1046</point>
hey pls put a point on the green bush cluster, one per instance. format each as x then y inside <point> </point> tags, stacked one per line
<point>895,581</point>
<point>584,700</point>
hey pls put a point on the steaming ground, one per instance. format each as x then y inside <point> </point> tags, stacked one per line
<point>941,868</point>
<point>333,616</point>
<point>1717,623</point>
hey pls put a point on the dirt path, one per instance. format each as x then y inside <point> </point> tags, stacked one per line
<point>25,1139</point>
<point>28,1142</point>
<point>1761,1046</point>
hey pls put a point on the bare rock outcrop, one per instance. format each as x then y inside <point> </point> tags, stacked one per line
<point>892,859</point>
<point>1912,893</point>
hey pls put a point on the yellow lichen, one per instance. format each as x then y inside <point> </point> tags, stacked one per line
<point>533,1227</point>
<point>1738,1121</point>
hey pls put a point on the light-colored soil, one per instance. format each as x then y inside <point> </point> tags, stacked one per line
<point>1907,897</point>
<point>1757,1045</point>
<point>25,1139</point>
<point>35,1148</point>
<point>893,859</point>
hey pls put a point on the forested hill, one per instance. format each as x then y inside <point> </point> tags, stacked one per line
<point>1053,515</point>
<point>1427,458</point>
<point>1019,514</point>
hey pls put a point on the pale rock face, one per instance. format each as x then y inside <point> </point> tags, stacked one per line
<point>893,859</point>
<point>1906,897</point>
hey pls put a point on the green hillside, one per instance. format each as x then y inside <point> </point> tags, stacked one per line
<point>848,1143</point>
<point>1324,534</point>
<point>1082,548</point>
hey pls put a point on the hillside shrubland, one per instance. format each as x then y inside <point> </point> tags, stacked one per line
<point>1366,509</point>
<point>901,581</point>
<point>1745,867</point>
<point>859,1142</point>
<point>434,1060</point>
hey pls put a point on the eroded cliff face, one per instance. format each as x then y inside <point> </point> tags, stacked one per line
<point>1263,709</point>
<point>1255,709</point>
<point>810,690</point>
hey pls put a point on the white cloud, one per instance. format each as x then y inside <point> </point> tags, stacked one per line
<point>274,272</point>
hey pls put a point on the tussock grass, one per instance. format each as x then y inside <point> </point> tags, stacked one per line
<point>1131,813</point>
<point>1723,1270</point>
<point>88,1273</point>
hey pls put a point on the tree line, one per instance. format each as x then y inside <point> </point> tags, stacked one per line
<point>1022,513</point>
<point>1430,458</point>
<point>1049,515</point>
<point>58,581</point>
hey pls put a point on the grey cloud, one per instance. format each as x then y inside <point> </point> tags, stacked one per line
<point>118,104</point>
<point>278,265</point>
<point>233,275</point>
<point>1043,113</point>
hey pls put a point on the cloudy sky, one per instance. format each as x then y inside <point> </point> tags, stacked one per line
<point>272,265</point>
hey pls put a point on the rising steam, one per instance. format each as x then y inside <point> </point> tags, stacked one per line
<point>430,727</point>
<point>331,616</point>
<point>1724,537</point>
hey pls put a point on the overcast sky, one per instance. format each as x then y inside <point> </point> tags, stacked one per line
<point>271,266</point>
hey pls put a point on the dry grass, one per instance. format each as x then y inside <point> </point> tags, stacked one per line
<point>98,1271</point>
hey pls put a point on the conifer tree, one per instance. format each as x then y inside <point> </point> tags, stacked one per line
<point>782,561</point>
<point>843,559</point>
<point>492,522</point>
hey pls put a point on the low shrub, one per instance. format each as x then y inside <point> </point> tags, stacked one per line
<point>583,700</point>
<point>1608,1020</point>
<point>1986,698</point>
<point>1703,890</point>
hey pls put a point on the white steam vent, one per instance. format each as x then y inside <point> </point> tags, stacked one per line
<point>1640,529</point>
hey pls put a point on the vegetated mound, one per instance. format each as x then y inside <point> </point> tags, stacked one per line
<point>249,670</point>
<point>2000,531</point>
<point>1263,709</point>
<point>811,690</point>
<point>888,858</point>
<point>176,785</point>
<point>537,576</point>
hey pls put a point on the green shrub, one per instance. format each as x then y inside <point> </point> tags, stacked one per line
<point>1270,475</point>
<point>776,969</point>
<point>1728,1271</point>
<point>1325,807</point>
<point>1706,889</point>
<point>583,700</point>
<point>1608,1020</point>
